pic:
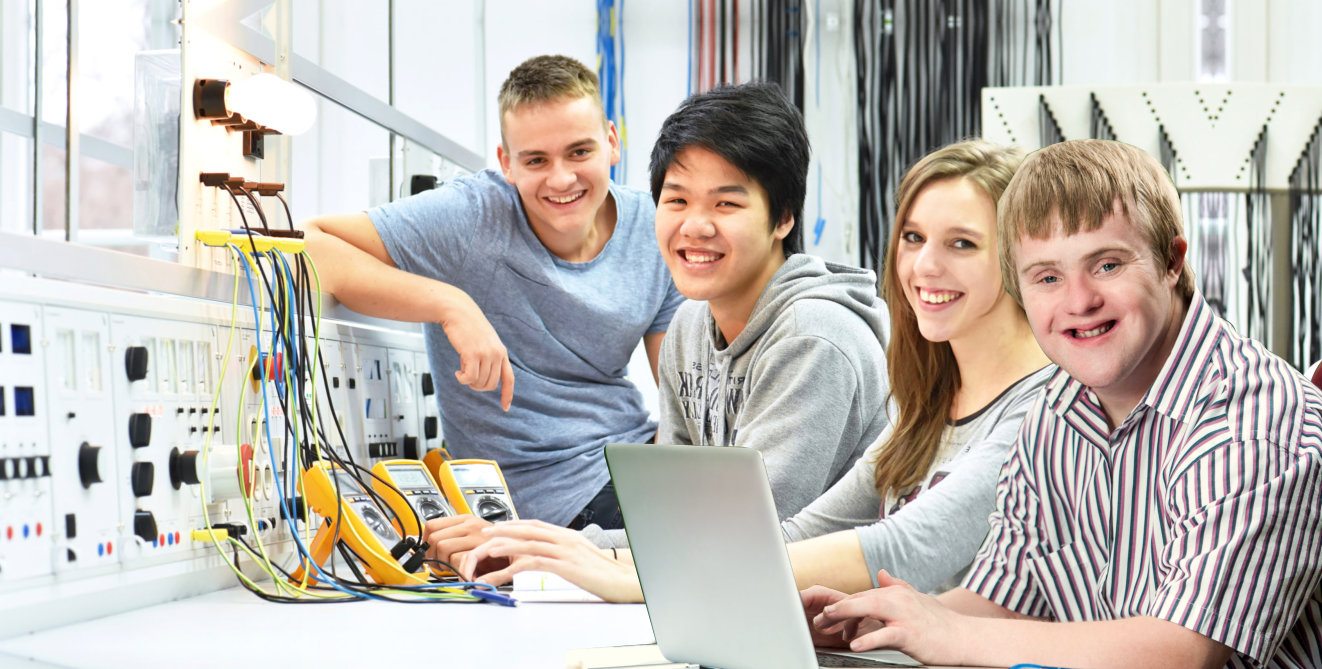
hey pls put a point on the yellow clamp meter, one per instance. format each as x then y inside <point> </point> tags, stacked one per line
<point>353,517</point>
<point>410,490</point>
<point>476,487</point>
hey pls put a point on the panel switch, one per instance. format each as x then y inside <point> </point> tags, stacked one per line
<point>89,464</point>
<point>427,386</point>
<point>140,429</point>
<point>135,362</point>
<point>142,477</point>
<point>429,425</point>
<point>144,525</point>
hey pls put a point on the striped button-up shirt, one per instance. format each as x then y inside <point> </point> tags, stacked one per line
<point>1204,507</point>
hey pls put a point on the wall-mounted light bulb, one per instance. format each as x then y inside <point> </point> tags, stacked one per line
<point>273,102</point>
<point>264,100</point>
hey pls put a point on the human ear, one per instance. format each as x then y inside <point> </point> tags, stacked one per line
<point>1179,251</point>
<point>504,158</point>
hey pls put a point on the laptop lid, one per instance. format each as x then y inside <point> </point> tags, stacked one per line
<point>710,556</point>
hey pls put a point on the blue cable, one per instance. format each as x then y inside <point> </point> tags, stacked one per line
<point>821,222</point>
<point>288,517</point>
<point>624,144</point>
<point>281,263</point>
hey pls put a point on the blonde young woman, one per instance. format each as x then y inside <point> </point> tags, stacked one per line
<point>964,368</point>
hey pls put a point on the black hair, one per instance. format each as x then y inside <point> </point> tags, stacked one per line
<point>755,128</point>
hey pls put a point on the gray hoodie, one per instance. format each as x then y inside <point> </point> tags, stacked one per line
<point>804,383</point>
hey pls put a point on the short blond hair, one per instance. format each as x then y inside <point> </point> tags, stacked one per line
<point>1074,185</point>
<point>542,79</point>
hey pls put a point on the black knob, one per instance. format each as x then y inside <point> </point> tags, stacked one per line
<point>89,464</point>
<point>141,478</point>
<point>429,427</point>
<point>410,449</point>
<point>144,525</point>
<point>140,429</point>
<point>427,386</point>
<point>183,468</point>
<point>135,362</point>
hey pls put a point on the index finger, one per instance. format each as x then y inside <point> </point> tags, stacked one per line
<point>506,383</point>
<point>445,522</point>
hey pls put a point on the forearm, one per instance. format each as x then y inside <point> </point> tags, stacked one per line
<point>833,560</point>
<point>369,286</point>
<point>1128,642</point>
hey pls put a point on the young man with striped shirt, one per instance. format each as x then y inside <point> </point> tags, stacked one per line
<point>1163,506</point>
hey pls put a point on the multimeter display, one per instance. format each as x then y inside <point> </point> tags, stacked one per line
<point>476,475</point>
<point>410,477</point>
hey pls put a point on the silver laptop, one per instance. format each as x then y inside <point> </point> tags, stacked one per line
<point>712,562</point>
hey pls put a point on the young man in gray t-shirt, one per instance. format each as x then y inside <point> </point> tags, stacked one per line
<point>543,276</point>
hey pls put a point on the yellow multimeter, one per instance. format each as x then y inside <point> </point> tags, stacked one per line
<point>363,525</point>
<point>410,490</point>
<point>476,487</point>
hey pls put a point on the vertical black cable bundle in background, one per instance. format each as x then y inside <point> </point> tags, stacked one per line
<point>1258,255</point>
<point>1046,123</point>
<point>1099,126</point>
<point>1305,221</point>
<point>921,67</point>
<point>779,51</point>
<point>1166,151</point>
<point>1212,249</point>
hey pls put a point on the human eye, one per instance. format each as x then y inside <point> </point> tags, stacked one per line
<point>580,153</point>
<point>675,201</point>
<point>1108,266</point>
<point>729,203</point>
<point>534,162</point>
<point>911,237</point>
<point>963,244</point>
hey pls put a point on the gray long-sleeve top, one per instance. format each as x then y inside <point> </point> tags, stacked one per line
<point>928,535</point>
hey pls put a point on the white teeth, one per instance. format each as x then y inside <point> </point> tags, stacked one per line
<point>1088,334</point>
<point>936,298</point>
<point>566,199</point>
<point>697,257</point>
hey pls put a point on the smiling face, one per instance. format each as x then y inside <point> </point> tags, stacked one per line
<point>1103,307</point>
<point>947,261</point>
<point>558,155</point>
<point>715,233</point>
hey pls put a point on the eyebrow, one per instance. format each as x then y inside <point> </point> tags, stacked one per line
<point>582,143</point>
<point>1110,250</point>
<point>732,188</point>
<point>958,230</point>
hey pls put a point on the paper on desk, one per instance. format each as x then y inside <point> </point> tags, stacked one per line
<point>541,586</point>
<point>617,657</point>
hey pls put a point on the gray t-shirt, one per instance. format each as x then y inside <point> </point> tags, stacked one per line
<point>804,383</point>
<point>929,534</point>
<point>570,329</point>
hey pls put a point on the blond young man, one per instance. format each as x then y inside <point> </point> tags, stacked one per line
<point>543,275</point>
<point>1163,504</point>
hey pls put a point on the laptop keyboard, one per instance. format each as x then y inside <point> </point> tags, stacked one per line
<point>833,660</point>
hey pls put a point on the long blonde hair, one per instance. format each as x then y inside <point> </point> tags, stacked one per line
<point>923,374</point>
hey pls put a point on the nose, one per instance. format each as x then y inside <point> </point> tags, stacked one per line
<point>697,224</point>
<point>927,260</point>
<point>561,177</point>
<point>1082,296</point>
